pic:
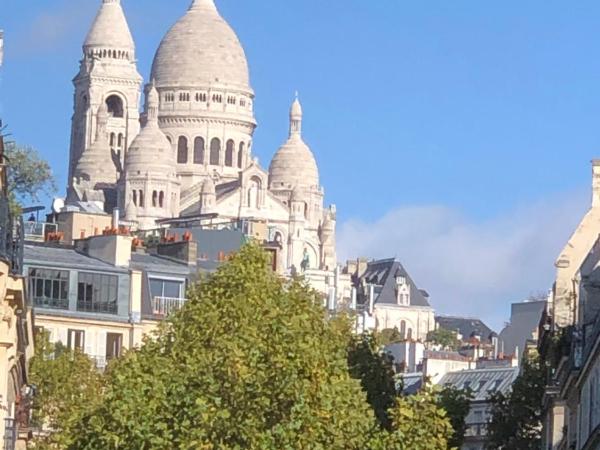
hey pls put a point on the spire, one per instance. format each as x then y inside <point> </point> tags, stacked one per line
<point>203,4</point>
<point>296,117</point>
<point>152,103</point>
<point>110,30</point>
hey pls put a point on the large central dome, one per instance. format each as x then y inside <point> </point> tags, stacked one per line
<point>199,51</point>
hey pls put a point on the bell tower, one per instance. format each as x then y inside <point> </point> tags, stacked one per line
<point>107,77</point>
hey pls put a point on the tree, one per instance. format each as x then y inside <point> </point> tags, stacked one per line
<point>29,175</point>
<point>456,403</point>
<point>389,336</point>
<point>446,338</point>
<point>67,384</point>
<point>376,374</point>
<point>517,416</point>
<point>251,362</point>
<point>418,423</point>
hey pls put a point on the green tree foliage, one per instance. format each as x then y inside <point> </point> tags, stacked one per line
<point>251,362</point>
<point>516,417</point>
<point>29,175</point>
<point>456,403</point>
<point>67,384</point>
<point>445,338</point>
<point>389,336</point>
<point>376,374</point>
<point>418,424</point>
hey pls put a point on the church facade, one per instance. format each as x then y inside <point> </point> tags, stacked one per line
<point>188,153</point>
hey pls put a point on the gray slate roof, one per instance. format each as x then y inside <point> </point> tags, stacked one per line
<point>155,263</point>
<point>383,274</point>
<point>465,326</point>
<point>482,382</point>
<point>50,256</point>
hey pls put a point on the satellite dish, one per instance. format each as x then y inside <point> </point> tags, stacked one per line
<point>57,205</point>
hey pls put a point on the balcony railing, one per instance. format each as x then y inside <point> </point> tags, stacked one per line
<point>38,231</point>
<point>164,306</point>
<point>11,238</point>
<point>10,434</point>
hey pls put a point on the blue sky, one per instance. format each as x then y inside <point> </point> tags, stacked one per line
<point>454,135</point>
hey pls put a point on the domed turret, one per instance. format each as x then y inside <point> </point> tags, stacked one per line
<point>150,152</point>
<point>92,164</point>
<point>110,30</point>
<point>294,163</point>
<point>150,189</point>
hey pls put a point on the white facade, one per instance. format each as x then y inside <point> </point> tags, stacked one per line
<point>204,109</point>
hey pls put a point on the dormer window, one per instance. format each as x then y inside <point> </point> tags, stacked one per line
<point>402,291</point>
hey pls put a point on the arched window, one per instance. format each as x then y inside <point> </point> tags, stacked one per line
<point>306,210</point>
<point>161,199</point>
<point>409,334</point>
<point>135,197</point>
<point>182,150</point>
<point>229,153</point>
<point>154,199</point>
<point>115,106</point>
<point>240,160</point>
<point>403,329</point>
<point>199,150</point>
<point>141,198</point>
<point>215,152</point>
<point>253,192</point>
<point>120,141</point>
<point>112,139</point>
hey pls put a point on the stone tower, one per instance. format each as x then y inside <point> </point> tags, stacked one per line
<point>206,102</point>
<point>149,190</point>
<point>108,77</point>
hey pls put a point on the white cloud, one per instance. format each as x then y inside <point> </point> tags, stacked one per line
<point>469,267</point>
<point>51,28</point>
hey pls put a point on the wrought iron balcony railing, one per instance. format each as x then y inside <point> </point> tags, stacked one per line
<point>11,238</point>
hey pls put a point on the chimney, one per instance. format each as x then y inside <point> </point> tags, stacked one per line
<point>114,249</point>
<point>115,218</point>
<point>371,298</point>
<point>353,304</point>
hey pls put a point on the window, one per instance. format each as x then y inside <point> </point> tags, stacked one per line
<point>115,106</point>
<point>217,98</point>
<point>97,293</point>
<point>76,340</point>
<point>166,288</point>
<point>112,139</point>
<point>403,329</point>
<point>114,344</point>
<point>154,199</point>
<point>200,97</point>
<point>169,97</point>
<point>182,150</point>
<point>141,198</point>
<point>242,102</point>
<point>199,150</point>
<point>240,160</point>
<point>409,335</point>
<point>50,288</point>
<point>134,197</point>
<point>184,96</point>
<point>229,153</point>
<point>231,100</point>
<point>161,199</point>
<point>215,152</point>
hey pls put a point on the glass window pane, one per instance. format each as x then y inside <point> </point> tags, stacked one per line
<point>172,289</point>
<point>156,288</point>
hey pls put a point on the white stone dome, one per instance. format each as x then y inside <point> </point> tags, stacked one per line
<point>110,28</point>
<point>199,51</point>
<point>150,151</point>
<point>294,165</point>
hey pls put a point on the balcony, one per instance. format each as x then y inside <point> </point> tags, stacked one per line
<point>165,306</point>
<point>39,231</point>
<point>11,238</point>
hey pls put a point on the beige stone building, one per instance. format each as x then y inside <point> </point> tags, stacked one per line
<point>16,337</point>
<point>193,155</point>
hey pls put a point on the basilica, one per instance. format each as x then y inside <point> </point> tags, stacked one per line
<point>188,153</point>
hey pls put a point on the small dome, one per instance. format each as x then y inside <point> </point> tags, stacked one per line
<point>294,164</point>
<point>110,28</point>
<point>150,151</point>
<point>200,50</point>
